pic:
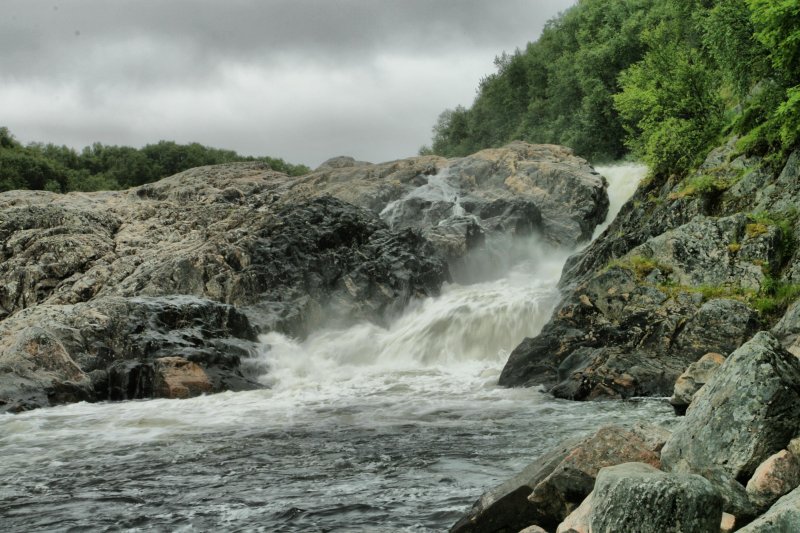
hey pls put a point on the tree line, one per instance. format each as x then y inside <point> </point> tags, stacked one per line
<point>97,167</point>
<point>659,80</point>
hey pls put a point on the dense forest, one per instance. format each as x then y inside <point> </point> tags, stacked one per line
<point>100,167</point>
<point>659,80</point>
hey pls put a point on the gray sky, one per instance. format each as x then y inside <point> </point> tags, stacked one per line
<point>299,79</point>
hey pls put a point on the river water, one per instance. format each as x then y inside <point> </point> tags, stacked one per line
<point>363,429</point>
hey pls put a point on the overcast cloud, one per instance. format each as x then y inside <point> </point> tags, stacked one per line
<point>299,79</point>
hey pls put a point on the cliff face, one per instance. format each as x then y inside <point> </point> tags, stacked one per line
<point>688,267</point>
<point>161,290</point>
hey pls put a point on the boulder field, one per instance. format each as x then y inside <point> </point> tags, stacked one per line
<point>162,290</point>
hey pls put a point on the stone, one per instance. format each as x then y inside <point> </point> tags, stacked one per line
<point>635,497</point>
<point>176,377</point>
<point>506,508</point>
<point>728,523</point>
<point>551,487</point>
<point>787,330</point>
<point>579,520</point>
<point>749,410</point>
<point>782,517</point>
<point>560,493</point>
<point>533,529</point>
<point>692,379</point>
<point>773,478</point>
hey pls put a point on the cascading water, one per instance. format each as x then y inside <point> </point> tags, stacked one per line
<point>363,429</point>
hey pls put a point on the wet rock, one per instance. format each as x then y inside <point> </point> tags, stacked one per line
<point>782,517</point>
<point>506,508</point>
<point>749,410</point>
<point>630,320</point>
<point>773,478</point>
<point>176,377</point>
<point>692,379</point>
<point>634,327</point>
<point>106,348</point>
<point>636,497</point>
<point>557,495</point>
<point>552,487</point>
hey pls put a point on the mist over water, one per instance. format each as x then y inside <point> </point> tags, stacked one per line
<point>363,429</point>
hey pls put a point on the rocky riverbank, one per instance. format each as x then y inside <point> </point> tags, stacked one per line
<point>162,290</point>
<point>691,292</point>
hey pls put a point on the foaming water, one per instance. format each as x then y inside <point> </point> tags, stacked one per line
<point>622,182</point>
<point>363,429</point>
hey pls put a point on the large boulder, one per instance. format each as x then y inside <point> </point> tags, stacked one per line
<point>549,489</point>
<point>506,509</point>
<point>783,517</point>
<point>749,410</point>
<point>773,478</point>
<point>638,498</point>
<point>116,348</point>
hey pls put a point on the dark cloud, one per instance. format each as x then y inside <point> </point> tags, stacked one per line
<point>367,74</point>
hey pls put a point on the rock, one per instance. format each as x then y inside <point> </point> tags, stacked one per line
<point>550,488</point>
<point>533,529</point>
<point>176,377</point>
<point>288,253</point>
<point>728,523</point>
<point>558,494</point>
<point>773,478</point>
<point>787,330</point>
<point>634,327</point>
<point>506,508</point>
<point>635,497</point>
<point>675,276</point>
<point>107,348</point>
<point>579,520</point>
<point>782,517</point>
<point>692,379</point>
<point>749,410</point>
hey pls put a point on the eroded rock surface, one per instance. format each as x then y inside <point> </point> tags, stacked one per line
<point>678,274</point>
<point>102,275</point>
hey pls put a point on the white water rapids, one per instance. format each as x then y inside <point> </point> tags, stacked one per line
<point>363,429</point>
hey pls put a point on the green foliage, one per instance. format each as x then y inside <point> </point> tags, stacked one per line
<point>640,265</point>
<point>558,89</point>
<point>100,167</point>
<point>669,101</point>
<point>664,79</point>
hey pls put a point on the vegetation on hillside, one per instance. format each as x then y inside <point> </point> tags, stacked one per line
<point>663,80</point>
<point>100,167</point>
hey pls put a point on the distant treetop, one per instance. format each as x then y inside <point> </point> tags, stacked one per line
<point>100,167</point>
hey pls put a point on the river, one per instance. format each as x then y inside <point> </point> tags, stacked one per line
<point>363,429</point>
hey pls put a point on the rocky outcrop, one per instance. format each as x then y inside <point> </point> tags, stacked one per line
<point>749,410</point>
<point>196,265</point>
<point>551,488</point>
<point>638,498</point>
<point>688,267</point>
<point>782,517</point>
